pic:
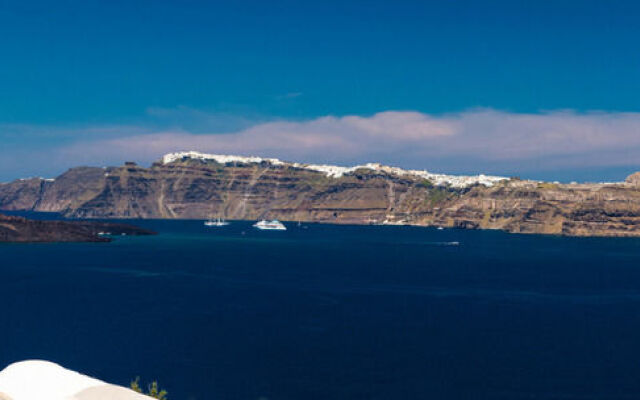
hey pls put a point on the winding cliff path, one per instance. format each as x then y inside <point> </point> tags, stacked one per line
<point>165,210</point>
<point>391,194</point>
<point>242,206</point>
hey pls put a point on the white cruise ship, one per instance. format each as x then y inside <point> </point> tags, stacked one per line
<point>274,225</point>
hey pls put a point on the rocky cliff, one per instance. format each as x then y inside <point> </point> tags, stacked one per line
<point>193,185</point>
<point>18,229</point>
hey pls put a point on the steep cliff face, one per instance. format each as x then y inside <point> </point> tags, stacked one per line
<point>198,189</point>
<point>191,185</point>
<point>23,194</point>
<point>530,207</point>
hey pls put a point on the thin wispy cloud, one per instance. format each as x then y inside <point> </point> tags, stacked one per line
<point>288,96</point>
<point>483,140</point>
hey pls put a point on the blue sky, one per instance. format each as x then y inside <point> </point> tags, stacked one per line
<point>75,75</point>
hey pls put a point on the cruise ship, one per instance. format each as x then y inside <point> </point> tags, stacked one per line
<point>274,225</point>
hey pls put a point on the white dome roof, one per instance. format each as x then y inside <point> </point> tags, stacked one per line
<point>44,380</point>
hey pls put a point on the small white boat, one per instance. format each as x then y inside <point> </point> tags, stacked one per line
<point>274,225</point>
<point>215,223</point>
<point>440,228</point>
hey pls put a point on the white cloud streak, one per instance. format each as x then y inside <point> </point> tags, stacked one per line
<point>482,140</point>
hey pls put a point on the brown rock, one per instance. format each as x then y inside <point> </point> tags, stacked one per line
<point>18,229</point>
<point>634,179</point>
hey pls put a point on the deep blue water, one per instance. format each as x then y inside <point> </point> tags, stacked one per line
<point>332,312</point>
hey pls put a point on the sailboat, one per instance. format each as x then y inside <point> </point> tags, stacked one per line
<point>215,223</point>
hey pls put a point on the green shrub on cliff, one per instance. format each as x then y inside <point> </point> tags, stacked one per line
<point>425,183</point>
<point>437,195</point>
<point>153,389</point>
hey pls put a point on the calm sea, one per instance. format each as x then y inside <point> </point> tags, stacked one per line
<point>332,312</point>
